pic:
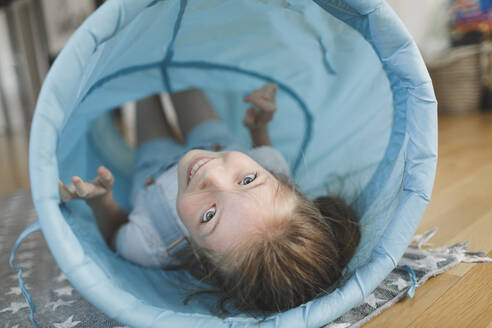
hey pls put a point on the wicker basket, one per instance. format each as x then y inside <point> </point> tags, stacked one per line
<point>457,80</point>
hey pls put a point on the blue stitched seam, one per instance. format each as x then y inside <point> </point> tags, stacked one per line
<point>361,286</point>
<point>324,52</point>
<point>118,24</point>
<point>418,193</point>
<point>378,7</point>
<point>124,71</point>
<point>170,48</point>
<point>387,254</point>
<point>153,3</point>
<point>340,6</point>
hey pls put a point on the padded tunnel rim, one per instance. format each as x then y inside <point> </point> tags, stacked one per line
<point>48,120</point>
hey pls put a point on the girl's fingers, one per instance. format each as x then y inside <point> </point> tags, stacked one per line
<point>81,187</point>
<point>249,118</point>
<point>87,190</point>
<point>264,116</point>
<point>71,189</point>
<point>105,177</point>
<point>271,88</point>
<point>268,91</point>
<point>263,104</point>
<point>250,115</point>
<point>65,194</point>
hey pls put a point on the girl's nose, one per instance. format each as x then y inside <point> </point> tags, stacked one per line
<point>213,177</point>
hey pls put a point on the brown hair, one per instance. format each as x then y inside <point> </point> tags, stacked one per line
<point>299,257</point>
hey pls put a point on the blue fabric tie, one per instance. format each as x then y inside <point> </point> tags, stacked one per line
<point>32,308</point>
<point>413,279</point>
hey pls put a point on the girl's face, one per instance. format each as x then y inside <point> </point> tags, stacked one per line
<point>224,195</point>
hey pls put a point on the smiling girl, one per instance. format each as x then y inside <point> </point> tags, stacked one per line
<point>232,212</point>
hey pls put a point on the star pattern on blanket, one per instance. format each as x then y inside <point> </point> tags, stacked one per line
<point>57,303</point>
<point>14,307</point>
<point>61,277</point>
<point>64,291</point>
<point>25,274</point>
<point>400,283</point>
<point>425,265</point>
<point>69,323</point>
<point>372,300</point>
<point>30,244</point>
<point>340,325</point>
<point>16,290</point>
<point>40,271</point>
<point>27,264</point>
<point>25,256</point>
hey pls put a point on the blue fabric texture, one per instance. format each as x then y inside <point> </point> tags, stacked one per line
<point>355,102</point>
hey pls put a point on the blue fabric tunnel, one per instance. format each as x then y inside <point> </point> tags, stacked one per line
<point>355,101</point>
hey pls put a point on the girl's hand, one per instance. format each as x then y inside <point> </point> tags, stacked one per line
<point>79,189</point>
<point>264,99</point>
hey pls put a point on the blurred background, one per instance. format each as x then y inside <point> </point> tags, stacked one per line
<point>454,37</point>
<point>32,33</point>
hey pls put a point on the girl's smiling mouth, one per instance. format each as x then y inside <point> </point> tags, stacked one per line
<point>195,165</point>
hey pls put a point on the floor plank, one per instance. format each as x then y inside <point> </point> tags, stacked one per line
<point>402,314</point>
<point>461,207</point>
<point>480,236</point>
<point>465,145</point>
<point>13,163</point>
<point>467,304</point>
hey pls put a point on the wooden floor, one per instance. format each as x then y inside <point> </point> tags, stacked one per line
<point>461,206</point>
<point>14,166</point>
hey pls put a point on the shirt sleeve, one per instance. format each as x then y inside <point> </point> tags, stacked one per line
<point>271,159</point>
<point>129,242</point>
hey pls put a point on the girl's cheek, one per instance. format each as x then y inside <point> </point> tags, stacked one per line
<point>186,208</point>
<point>180,207</point>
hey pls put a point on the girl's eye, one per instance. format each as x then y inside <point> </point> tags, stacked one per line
<point>248,179</point>
<point>209,215</point>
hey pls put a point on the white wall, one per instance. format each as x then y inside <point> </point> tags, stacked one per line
<point>62,18</point>
<point>426,21</point>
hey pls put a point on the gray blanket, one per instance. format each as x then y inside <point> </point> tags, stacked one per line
<point>59,305</point>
